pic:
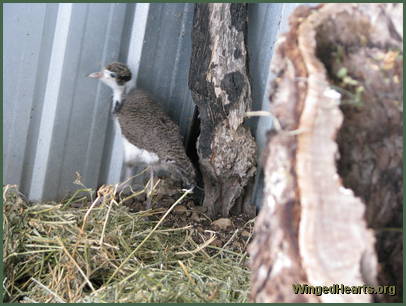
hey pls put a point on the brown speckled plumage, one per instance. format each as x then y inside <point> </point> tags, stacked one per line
<point>148,127</point>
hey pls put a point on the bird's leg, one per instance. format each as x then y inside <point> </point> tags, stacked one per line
<point>126,177</point>
<point>128,172</point>
<point>150,187</point>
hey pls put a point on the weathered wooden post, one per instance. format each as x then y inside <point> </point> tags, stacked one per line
<point>333,171</point>
<point>220,86</point>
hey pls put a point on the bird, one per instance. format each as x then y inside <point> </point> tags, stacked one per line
<point>149,135</point>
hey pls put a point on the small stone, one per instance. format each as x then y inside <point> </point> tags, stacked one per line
<point>222,223</point>
<point>77,204</point>
<point>237,245</point>
<point>180,209</point>
<point>195,217</point>
<point>190,204</point>
<point>245,234</point>
<point>216,243</point>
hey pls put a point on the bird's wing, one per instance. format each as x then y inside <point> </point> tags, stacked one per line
<point>148,127</point>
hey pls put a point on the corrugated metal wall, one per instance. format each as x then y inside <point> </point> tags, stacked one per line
<point>57,121</point>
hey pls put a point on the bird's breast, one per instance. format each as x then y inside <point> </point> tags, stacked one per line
<point>134,155</point>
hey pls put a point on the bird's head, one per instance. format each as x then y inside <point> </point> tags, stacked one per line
<point>115,75</point>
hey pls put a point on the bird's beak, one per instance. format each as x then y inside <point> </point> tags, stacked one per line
<point>95,75</point>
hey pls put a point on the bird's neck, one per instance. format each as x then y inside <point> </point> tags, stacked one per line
<point>118,93</point>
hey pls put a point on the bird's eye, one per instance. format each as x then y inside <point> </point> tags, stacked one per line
<point>113,75</point>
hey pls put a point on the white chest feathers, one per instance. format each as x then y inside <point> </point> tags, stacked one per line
<point>134,155</point>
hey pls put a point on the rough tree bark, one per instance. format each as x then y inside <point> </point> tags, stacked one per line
<point>338,100</point>
<point>218,79</point>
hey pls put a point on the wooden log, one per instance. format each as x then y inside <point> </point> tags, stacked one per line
<point>220,87</point>
<point>337,101</point>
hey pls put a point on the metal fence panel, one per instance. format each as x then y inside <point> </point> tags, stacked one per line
<point>26,52</point>
<point>57,121</point>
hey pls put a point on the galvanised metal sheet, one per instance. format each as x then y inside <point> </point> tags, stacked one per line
<point>266,22</point>
<point>57,122</point>
<point>26,52</point>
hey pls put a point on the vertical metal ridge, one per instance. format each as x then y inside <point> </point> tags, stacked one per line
<point>67,104</point>
<point>96,106</point>
<point>137,38</point>
<point>19,86</point>
<point>41,75</point>
<point>188,106</point>
<point>50,100</point>
<point>178,52</point>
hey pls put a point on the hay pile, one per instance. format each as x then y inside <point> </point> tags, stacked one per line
<point>54,252</point>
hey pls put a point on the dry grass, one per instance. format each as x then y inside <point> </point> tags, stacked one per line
<point>104,253</point>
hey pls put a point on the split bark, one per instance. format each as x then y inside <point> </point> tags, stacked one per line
<point>219,82</point>
<point>339,66</point>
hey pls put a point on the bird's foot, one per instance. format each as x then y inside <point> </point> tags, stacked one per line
<point>190,190</point>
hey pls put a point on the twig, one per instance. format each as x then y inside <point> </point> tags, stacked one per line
<point>75,194</point>
<point>105,224</point>
<point>133,195</point>
<point>201,247</point>
<point>186,272</point>
<point>88,212</point>
<point>75,263</point>
<point>258,114</point>
<point>58,298</point>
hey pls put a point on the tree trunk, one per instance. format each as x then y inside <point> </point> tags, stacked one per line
<point>218,79</point>
<point>334,166</point>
